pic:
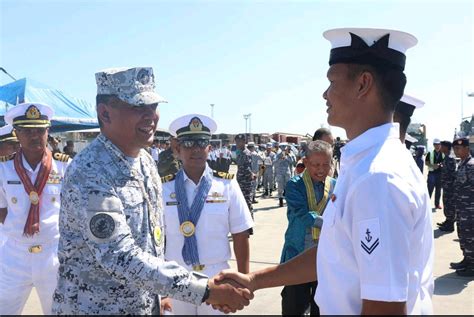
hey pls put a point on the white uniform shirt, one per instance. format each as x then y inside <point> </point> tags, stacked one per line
<point>224,211</point>
<point>377,241</point>
<point>14,197</point>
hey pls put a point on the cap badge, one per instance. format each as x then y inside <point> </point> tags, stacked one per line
<point>33,112</point>
<point>143,76</point>
<point>195,124</point>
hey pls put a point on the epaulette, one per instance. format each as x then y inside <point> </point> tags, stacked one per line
<point>61,157</point>
<point>223,175</point>
<point>7,157</point>
<point>168,178</point>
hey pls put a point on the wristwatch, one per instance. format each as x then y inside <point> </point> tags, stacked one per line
<point>207,292</point>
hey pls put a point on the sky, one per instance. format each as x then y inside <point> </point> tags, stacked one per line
<point>264,58</point>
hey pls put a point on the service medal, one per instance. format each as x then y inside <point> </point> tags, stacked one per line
<point>187,228</point>
<point>34,198</point>
<point>157,235</point>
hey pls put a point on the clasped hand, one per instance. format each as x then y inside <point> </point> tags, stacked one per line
<point>230,291</point>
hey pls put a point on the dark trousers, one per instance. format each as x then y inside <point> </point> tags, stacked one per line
<point>434,182</point>
<point>296,299</point>
<point>448,205</point>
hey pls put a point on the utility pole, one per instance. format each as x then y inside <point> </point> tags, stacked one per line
<point>212,110</point>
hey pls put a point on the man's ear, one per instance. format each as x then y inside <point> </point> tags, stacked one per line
<point>103,113</point>
<point>365,83</point>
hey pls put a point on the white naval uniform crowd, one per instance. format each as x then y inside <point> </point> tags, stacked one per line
<point>377,240</point>
<point>29,261</point>
<point>225,211</point>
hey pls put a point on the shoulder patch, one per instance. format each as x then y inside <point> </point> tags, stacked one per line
<point>223,175</point>
<point>168,178</point>
<point>7,157</point>
<point>61,157</point>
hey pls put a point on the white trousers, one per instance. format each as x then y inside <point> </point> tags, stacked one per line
<point>20,270</point>
<point>183,308</point>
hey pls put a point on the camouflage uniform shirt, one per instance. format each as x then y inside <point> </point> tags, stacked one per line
<point>111,245</point>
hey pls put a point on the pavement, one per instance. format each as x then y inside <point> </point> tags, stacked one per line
<point>453,295</point>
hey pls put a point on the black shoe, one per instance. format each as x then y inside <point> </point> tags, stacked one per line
<point>254,201</point>
<point>467,271</point>
<point>458,265</point>
<point>281,202</point>
<point>439,224</point>
<point>270,193</point>
<point>265,194</point>
<point>448,227</point>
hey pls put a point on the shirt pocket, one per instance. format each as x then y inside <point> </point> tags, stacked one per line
<point>51,194</point>
<point>171,220</point>
<point>131,196</point>
<point>216,218</point>
<point>328,244</point>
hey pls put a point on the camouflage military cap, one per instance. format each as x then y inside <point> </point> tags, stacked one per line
<point>135,86</point>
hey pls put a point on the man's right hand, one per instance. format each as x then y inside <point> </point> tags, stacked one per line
<point>227,295</point>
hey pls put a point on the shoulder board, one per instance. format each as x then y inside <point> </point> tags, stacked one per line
<point>223,175</point>
<point>61,157</point>
<point>168,178</point>
<point>7,157</point>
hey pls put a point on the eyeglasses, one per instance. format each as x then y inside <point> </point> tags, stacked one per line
<point>31,130</point>
<point>192,143</point>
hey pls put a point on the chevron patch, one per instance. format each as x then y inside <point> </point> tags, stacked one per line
<point>369,235</point>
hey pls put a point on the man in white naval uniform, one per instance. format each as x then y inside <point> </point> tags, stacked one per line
<point>30,184</point>
<point>375,254</point>
<point>202,207</point>
<point>8,145</point>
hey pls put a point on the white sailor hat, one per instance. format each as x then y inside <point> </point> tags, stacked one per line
<point>7,134</point>
<point>29,115</point>
<point>193,126</point>
<point>410,139</point>
<point>251,144</point>
<point>436,141</point>
<point>376,47</point>
<point>135,86</point>
<point>269,145</point>
<point>408,104</point>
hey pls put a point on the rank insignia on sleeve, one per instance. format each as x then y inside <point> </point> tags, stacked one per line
<point>369,234</point>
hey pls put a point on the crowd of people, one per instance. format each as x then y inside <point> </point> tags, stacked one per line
<point>128,226</point>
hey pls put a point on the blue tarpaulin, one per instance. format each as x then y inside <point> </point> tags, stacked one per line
<point>69,113</point>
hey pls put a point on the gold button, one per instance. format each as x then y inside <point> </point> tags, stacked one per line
<point>35,249</point>
<point>53,199</point>
<point>14,200</point>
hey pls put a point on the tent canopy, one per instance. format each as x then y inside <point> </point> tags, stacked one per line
<point>69,113</point>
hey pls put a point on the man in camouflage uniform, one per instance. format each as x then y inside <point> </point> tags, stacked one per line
<point>464,204</point>
<point>111,220</point>
<point>268,161</point>
<point>283,166</point>
<point>245,176</point>
<point>168,163</point>
<point>448,170</point>
<point>256,162</point>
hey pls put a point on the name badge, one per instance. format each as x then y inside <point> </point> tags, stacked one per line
<point>216,201</point>
<point>172,203</point>
<point>14,182</point>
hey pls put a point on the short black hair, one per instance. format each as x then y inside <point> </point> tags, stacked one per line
<point>101,98</point>
<point>390,81</point>
<point>319,133</point>
<point>403,120</point>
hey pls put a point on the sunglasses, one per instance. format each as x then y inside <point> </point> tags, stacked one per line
<point>192,143</point>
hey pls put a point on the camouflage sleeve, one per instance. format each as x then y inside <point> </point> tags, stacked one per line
<point>109,239</point>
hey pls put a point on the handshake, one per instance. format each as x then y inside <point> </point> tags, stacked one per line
<point>230,291</point>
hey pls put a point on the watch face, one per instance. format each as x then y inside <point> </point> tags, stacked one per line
<point>102,226</point>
